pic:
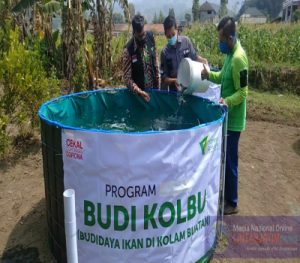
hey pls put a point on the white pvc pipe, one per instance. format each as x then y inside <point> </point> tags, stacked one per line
<point>70,226</point>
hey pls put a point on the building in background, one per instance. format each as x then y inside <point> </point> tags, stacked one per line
<point>290,8</point>
<point>253,16</point>
<point>278,18</point>
<point>209,13</point>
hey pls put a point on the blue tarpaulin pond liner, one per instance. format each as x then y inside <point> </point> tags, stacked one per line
<point>87,139</point>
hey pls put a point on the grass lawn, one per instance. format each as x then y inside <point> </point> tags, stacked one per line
<point>272,107</point>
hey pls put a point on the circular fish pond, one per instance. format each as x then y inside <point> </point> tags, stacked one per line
<point>146,175</point>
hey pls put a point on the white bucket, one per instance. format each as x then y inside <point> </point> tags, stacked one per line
<point>189,76</point>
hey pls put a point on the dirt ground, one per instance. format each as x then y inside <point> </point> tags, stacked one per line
<point>269,186</point>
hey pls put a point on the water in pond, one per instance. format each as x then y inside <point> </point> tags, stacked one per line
<point>140,120</point>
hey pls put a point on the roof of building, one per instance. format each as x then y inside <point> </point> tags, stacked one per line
<point>278,18</point>
<point>253,12</point>
<point>208,7</point>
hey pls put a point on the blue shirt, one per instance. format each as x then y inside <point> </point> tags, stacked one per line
<point>171,56</point>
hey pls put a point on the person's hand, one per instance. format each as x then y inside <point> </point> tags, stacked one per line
<point>205,72</point>
<point>202,60</point>
<point>222,101</point>
<point>144,95</point>
<point>141,93</point>
<point>176,83</point>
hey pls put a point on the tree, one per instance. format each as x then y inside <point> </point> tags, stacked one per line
<point>131,9</point>
<point>161,17</point>
<point>188,18</point>
<point>171,12</point>
<point>296,16</point>
<point>5,26</point>
<point>102,16</point>
<point>73,38</point>
<point>223,8</point>
<point>196,10</point>
<point>118,18</point>
<point>40,23</point>
<point>42,10</point>
<point>155,19</point>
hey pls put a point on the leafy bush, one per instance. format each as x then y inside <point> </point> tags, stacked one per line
<point>4,139</point>
<point>25,83</point>
<point>50,52</point>
<point>4,35</point>
<point>205,40</point>
<point>118,45</point>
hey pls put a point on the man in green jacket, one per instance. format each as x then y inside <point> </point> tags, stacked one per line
<point>234,89</point>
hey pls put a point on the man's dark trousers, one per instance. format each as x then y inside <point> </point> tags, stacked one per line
<point>231,172</point>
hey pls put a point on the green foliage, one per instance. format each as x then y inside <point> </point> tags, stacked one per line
<point>196,10</point>
<point>25,83</point>
<point>50,7</point>
<point>23,4</point>
<point>160,42</point>
<point>46,6</point>
<point>161,17</point>
<point>296,16</point>
<point>4,139</point>
<point>205,40</point>
<point>158,19</point>
<point>118,44</point>
<point>272,44</point>
<point>80,73</point>
<point>171,12</point>
<point>4,36</point>
<point>131,10</point>
<point>5,25</point>
<point>50,52</point>
<point>265,45</point>
<point>223,8</point>
<point>273,52</point>
<point>272,107</point>
<point>118,18</point>
<point>155,19</point>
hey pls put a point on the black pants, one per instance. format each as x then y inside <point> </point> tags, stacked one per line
<point>231,172</point>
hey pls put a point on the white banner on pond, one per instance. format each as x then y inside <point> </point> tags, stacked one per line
<point>144,197</point>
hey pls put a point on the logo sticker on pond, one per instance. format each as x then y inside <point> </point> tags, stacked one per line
<point>74,149</point>
<point>203,145</point>
<point>208,145</point>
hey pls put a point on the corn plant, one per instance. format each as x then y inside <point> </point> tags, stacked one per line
<point>265,45</point>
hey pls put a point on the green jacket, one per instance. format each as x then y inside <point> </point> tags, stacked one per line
<point>234,86</point>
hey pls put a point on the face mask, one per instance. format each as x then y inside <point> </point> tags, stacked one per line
<point>224,47</point>
<point>172,41</point>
